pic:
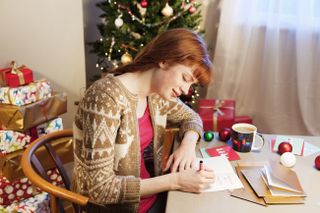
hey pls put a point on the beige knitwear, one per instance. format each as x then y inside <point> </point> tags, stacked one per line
<point>106,142</point>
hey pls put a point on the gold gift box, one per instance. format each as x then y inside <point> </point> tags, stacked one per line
<point>30,115</point>
<point>10,163</point>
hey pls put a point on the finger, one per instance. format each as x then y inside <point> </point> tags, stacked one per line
<point>182,165</point>
<point>169,162</point>
<point>175,165</point>
<point>188,165</point>
<point>193,165</point>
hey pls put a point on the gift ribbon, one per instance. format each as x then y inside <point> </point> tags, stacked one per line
<point>16,71</point>
<point>217,107</point>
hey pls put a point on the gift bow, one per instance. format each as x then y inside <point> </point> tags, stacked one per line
<point>16,71</point>
<point>218,106</point>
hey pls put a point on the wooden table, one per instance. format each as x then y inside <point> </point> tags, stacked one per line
<point>222,201</point>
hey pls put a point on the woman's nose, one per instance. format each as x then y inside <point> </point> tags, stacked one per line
<point>185,89</point>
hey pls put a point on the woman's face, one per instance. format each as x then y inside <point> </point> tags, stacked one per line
<point>172,81</point>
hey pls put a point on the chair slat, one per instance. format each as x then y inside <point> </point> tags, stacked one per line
<point>58,162</point>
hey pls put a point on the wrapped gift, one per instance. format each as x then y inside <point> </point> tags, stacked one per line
<point>15,76</point>
<point>216,114</point>
<point>27,94</point>
<point>36,204</point>
<point>11,141</point>
<point>243,119</point>
<point>21,189</point>
<point>45,128</point>
<point>10,163</point>
<point>31,115</point>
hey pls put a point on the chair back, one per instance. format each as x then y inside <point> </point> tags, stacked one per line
<point>35,172</point>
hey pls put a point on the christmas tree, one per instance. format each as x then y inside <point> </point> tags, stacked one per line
<point>128,25</point>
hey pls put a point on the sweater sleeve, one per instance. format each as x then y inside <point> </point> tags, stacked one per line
<point>98,121</point>
<point>185,117</point>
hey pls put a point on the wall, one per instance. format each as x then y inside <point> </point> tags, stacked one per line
<point>48,37</point>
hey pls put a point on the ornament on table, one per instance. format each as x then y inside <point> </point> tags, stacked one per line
<point>284,147</point>
<point>144,3</point>
<point>225,134</point>
<point>167,10</point>
<point>288,159</point>
<point>317,162</point>
<point>118,22</point>
<point>208,136</point>
<point>126,58</point>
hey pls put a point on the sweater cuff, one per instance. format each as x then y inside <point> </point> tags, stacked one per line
<point>191,126</point>
<point>132,190</point>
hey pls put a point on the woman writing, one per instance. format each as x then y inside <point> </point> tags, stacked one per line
<point>122,116</point>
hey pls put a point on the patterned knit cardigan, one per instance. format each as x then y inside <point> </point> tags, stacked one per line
<point>107,147</point>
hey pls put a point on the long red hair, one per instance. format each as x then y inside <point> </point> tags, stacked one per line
<point>175,46</point>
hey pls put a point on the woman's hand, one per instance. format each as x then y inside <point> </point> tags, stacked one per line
<point>191,180</point>
<point>184,156</point>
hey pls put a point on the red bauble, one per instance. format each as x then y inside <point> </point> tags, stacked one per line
<point>317,162</point>
<point>225,134</point>
<point>284,147</point>
<point>144,3</point>
<point>192,9</point>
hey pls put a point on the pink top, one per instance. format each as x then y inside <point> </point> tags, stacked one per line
<point>146,135</point>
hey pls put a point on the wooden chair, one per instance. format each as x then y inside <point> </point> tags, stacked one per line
<point>34,170</point>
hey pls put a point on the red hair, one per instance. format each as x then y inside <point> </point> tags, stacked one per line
<point>175,46</point>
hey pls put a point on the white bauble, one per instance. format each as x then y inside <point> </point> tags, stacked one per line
<point>118,22</point>
<point>288,159</point>
<point>167,10</point>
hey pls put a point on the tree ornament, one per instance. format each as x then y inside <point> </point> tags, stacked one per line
<point>142,10</point>
<point>225,134</point>
<point>126,58</point>
<point>192,9</point>
<point>288,159</point>
<point>208,136</point>
<point>144,3</point>
<point>118,22</point>
<point>167,10</point>
<point>317,162</point>
<point>284,147</point>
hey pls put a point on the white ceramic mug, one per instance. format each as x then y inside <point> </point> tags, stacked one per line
<point>245,138</point>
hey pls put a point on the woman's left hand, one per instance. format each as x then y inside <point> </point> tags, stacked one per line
<point>184,156</point>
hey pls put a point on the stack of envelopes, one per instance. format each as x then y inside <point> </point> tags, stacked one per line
<point>269,183</point>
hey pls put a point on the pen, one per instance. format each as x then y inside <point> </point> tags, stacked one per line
<point>200,165</point>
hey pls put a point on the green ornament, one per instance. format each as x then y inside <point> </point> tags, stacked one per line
<point>208,136</point>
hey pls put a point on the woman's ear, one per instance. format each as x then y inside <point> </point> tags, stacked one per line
<point>163,65</point>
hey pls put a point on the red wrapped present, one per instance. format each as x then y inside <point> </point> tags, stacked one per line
<point>243,119</point>
<point>216,114</point>
<point>15,76</point>
<point>21,189</point>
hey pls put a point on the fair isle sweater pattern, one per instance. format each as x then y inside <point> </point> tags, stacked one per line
<point>106,142</point>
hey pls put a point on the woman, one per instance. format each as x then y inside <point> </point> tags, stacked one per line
<point>122,116</point>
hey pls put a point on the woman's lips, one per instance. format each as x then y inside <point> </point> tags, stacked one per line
<point>175,94</point>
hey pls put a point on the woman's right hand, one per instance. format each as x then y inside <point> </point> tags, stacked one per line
<point>191,180</point>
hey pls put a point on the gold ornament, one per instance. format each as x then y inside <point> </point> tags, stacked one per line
<point>126,58</point>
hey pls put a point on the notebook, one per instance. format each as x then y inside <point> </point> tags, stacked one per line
<point>225,176</point>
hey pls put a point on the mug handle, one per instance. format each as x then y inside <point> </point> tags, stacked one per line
<point>258,137</point>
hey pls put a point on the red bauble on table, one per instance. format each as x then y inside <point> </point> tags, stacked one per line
<point>284,147</point>
<point>317,162</point>
<point>144,3</point>
<point>225,134</point>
